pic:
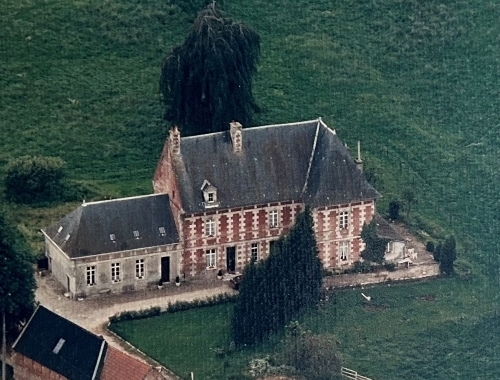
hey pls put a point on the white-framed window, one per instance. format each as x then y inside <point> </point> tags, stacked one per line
<point>343,219</point>
<point>91,275</point>
<point>211,258</point>
<point>209,227</point>
<point>136,234</point>
<point>162,231</point>
<point>254,251</point>
<point>139,269</point>
<point>211,197</point>
<point>115,272</point>
<point>112,237</point>
<point>273,218</point>
<point>344,251</point>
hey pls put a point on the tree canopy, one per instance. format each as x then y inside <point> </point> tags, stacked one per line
<point>17,283</point>
<point>275,290</point>
<point>206,82</point>
<point>375,245</point>
<point>447,256</point>
<point>31,179</point>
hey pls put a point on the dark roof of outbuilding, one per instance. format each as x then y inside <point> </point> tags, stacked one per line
<point>89,226</point>
<point>385,230</point>
<point>81,355</point>
<point>302,161</point>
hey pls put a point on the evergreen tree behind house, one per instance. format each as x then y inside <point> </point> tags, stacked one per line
<point>206,82</point>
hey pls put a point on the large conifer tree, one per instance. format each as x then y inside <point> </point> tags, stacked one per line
<point>17,284</point>
<point>206,82</point>
<point>274,291</point>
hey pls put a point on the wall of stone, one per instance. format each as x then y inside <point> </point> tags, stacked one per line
<point>127,260</point>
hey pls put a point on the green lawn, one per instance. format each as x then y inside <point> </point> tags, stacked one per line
<point>438,329</point>
<point>416,81</point>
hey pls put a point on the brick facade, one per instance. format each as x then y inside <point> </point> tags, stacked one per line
<point>27,369</point>
<point>243,227</point>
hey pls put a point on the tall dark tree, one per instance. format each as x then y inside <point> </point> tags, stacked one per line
<point>447,256</point>
<point>274,291</point>
<point>206,82</point>
<point>375,245</point>
<point>409,200</point>
<point>17,283</point>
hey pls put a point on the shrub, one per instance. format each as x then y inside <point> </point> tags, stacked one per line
<point>391,267</point>
<point>34,179</point>
<point>360,267</point>
<point>394,207</point>
<point>315,357</point>
<point>173,308</point>
<point>139,314</point>
<point>429,247</point>
<point>436,254</point>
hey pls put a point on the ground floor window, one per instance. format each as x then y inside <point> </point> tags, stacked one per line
<point>210,258</point>
<point>344,250</point>
<point>254,251</point>
<point>115,272</point>
<point>139,269</point>
<point>91,275</point>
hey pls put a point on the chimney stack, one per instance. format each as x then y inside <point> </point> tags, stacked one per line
<point>235,130</point>
<point>359,161</point>
<point>175,141</point>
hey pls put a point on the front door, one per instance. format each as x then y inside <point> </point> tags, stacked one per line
<point>165,269</point>
<point>231,259</point>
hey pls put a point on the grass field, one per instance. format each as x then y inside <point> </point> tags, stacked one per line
<point>416,81</point>
<point>444,329</point>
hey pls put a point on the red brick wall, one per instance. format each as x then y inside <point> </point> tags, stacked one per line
<point>239,228</point>
<point>165,181</point>
<point>329,235</point>
<point>27,369</point>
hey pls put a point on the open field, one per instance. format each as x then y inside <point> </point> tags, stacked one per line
<point>439,329</point>
<point>416,81</point>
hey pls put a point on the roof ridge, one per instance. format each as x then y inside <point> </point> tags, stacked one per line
<point>85,204</point>
<point>254,128</point>
<point>311,159</point>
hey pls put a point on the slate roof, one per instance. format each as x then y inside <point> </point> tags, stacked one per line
<point>303,161</point>
<point>81,355</point>
<point>119,366</point>
<point>89,226</point>
<point>385,230</point>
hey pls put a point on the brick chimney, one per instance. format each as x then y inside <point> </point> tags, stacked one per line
<point>235,129</point>
<point>175,141</point>
<point>359,161</point>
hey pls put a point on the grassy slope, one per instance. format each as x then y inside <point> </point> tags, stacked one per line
<point>414,80</point>
<point>435,330</point>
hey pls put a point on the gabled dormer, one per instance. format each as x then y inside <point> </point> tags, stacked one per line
<point>209,195</point>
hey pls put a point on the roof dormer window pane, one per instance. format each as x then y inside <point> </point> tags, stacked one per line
<point>211,197</point>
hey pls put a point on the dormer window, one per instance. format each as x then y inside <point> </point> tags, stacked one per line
<point>162,231</point>
<point>136,234</point>
<point>209,195</point>
<point>112,237</point>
